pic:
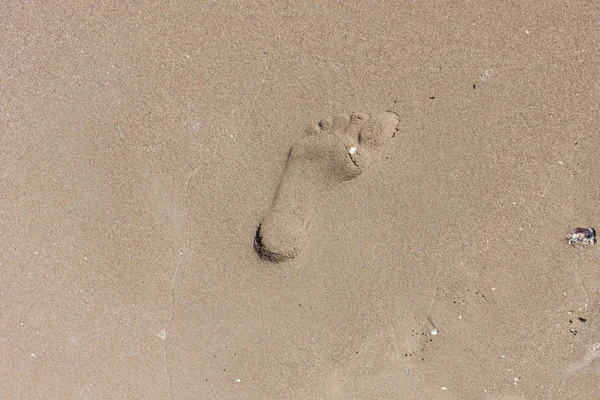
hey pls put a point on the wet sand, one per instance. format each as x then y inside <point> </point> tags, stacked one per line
<point>142,145</point>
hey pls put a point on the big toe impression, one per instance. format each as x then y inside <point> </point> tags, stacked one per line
<point>378,129</point>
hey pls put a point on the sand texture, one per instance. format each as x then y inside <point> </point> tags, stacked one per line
<point>299,200</point>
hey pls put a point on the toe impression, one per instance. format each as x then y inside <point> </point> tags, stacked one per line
<point>378,130</point>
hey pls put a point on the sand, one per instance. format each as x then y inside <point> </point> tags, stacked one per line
<point>142,145</point>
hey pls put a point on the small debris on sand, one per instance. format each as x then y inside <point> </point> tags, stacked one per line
<point>582,235</point>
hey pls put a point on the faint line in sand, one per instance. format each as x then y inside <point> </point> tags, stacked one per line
<point>581,277</point>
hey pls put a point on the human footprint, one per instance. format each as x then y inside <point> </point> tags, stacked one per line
<point>339,149</point>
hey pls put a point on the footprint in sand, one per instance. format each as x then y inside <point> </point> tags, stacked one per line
<point>337,150</point>
<point>586,358</point>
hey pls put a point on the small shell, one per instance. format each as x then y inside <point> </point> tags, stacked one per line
<point>582,235</point>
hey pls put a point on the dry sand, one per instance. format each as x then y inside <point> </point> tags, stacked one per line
<point>141,145</point>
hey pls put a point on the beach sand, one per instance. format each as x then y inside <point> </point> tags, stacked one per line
<point>142,145</point>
